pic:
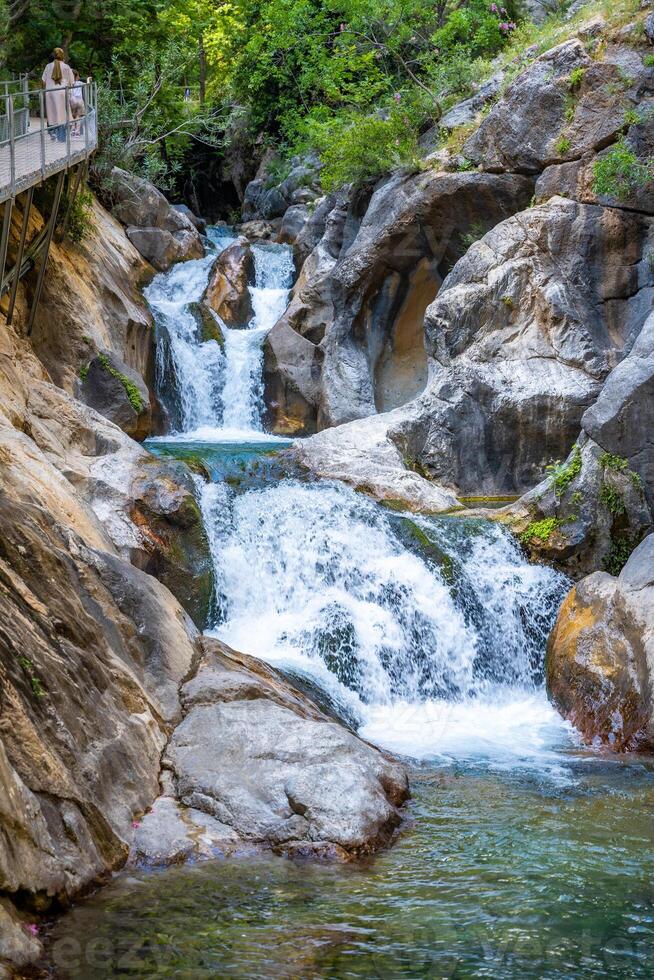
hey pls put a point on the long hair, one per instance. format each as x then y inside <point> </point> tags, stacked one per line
<point>57,73</point>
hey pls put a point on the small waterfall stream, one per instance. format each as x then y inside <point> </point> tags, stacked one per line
<point>212,389</point>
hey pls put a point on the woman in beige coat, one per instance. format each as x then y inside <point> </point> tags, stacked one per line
<point>57,77</point>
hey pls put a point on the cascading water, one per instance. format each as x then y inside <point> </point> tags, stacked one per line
<point>427,633</point>
<point>213,390</point>
<point>416,627</point>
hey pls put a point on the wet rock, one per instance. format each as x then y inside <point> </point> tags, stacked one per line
<point>227,293</point>
<point>601,655</point>
<point>208,325</point>
<point>174,545</point>
<point>256,230</point>
<point>291,380</point>
<point>259,757</point>
<point>18,946</point>
<point>364,454</point>
<point>170,833</point>
<point>119,393</point>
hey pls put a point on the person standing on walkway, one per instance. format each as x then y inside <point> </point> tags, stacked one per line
<point>57,78</point>
<point>77,104</point>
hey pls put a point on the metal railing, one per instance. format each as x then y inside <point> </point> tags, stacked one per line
<point>31,149</point>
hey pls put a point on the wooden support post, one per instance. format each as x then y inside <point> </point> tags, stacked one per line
<point>4,240</point>
<point>46,250</point>
<point>72,196</point>
<point>27,207</point>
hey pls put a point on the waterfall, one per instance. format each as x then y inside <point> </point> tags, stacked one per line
<point>242,397</point>
<point>417,627</point>
<point>212,390</point>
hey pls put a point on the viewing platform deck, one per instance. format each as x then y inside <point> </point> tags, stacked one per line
<point>30,150</point>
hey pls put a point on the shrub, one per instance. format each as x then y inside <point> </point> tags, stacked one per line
<point>562,145</point>
<point>540,530</point>
<point>619,554</point>
<point>576,78</point>
<point>620,172</point>
<point>648,61</point>
<point>360,148</point>
<point>612,500</point>
<point>562,474</point>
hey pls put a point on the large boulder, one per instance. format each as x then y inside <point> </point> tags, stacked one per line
<point>265,198</point>
<point>600,657</point>
<point>255,761</point>
<point>163,234</point>
<point>119,393</point>
<point>622,419</point>
<point>227,293</point>
<point>162,248</point>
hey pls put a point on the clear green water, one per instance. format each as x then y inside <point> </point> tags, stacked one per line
<point>499,874</point>
<point>534,861</point>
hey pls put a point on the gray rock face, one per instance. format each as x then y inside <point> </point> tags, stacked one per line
<point>364,288</point>
<point>199,223</point>
<point>163,248</point>
<point>119,393</point>
<point>622,419</point>
<point>548,114</point>
<point>600,657</point>
<point>227,293</point>
<point>265,200</point>
<point>523,334</point>
<point>258,757</point>
<point>161,233</point>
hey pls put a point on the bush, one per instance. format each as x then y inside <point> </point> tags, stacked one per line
<point>562,474</point>
<point>359,148</point>
<point>620,172</point>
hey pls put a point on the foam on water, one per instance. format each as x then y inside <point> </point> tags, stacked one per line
<point>436,659</point>
<point>209,388</point>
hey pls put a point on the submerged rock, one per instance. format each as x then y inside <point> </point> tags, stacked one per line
<point>268,768</point>
<point>600,657</point>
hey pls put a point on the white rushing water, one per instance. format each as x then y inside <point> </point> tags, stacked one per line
<point>214,392</point>
<point>429,632</point>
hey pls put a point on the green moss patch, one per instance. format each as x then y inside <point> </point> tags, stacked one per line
<point>131,390</point>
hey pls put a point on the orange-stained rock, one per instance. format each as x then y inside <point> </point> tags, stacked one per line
<point>600,655</point>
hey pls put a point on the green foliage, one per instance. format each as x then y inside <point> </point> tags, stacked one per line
<point>35,681</point>
<point>540,530</point>
<point>608,461</point>
<point>562,145</point>
<point>612,500</point>
<point>133,394</point>
<point>632,117</point>
<point>477,231</point>
<point>648,60</point>
<point>358,148</point>
<point>84,372</point>
<point>619,554</point>
<point>508,302</point>
<point>562,474</point>
<point>576,78</point>
<point>620,173</point>
<point>80,221</point>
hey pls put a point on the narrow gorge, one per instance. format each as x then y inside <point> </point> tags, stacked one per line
<point>327,565</point>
